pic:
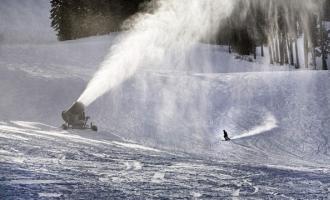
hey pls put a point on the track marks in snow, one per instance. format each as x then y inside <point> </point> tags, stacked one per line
<point>236,193</point>
<point>10,130</point>
<point>135,146</point>
<point>20,130</point>
<point>196,195</point>
<point>133,165</point>
<point>102,169</point>
<point>30,125</point>
<point>11,136</point>
<point>158,177</point>
<point>49,195</point>
<point>3,123</point>
<point>32,182</point>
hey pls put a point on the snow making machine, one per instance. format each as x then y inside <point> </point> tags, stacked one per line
<point>75,118</point>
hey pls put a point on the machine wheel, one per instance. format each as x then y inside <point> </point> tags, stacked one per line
<point>65,127</point>
<point>94,128</point>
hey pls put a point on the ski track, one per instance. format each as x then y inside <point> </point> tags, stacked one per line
<point>64,167</point>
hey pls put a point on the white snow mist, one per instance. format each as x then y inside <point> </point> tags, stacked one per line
<point>171,26</point>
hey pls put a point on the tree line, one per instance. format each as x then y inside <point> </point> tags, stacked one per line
<point>279,24</point>
<point>276,24</point>
<point>73,19</point>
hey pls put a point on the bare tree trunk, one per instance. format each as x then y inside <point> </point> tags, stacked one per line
<point>276,53</point>
<point>324,45</point>
<point>229,37</point>
<point>306,50</point>
<point>314,58</point>
<point>262,50</point>
<point>270,49</point>
<point>281,49</point>
<point>313,42</point>
<point>325,64</point>
<point>273,50</point>
<point>290,46</point>
<point>286,54</point>
<point>297,54</point>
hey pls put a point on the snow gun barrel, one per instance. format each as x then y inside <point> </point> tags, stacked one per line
<point>76,109</point>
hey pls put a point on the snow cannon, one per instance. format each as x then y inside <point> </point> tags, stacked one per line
<point>75,118</point>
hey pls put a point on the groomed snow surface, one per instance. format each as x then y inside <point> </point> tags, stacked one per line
<point>161,131</point>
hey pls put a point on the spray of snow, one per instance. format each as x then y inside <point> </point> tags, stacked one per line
<point>269,123</point>
<point>170,26</point>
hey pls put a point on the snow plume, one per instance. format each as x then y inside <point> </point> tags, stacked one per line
<point>269,124</point>
<point>169,26</point>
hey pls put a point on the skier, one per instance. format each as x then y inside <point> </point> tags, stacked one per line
<point>225,135</point>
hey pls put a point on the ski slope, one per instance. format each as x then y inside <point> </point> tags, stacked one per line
<point>161,131</point>
<point>39,161</point>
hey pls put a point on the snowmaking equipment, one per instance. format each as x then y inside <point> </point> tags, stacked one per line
<point>75,118</point>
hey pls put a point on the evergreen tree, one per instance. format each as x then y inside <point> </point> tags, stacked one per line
<point>73,19</point>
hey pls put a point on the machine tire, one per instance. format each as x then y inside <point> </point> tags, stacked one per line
<point>94,128</point>
<point>65,127</point>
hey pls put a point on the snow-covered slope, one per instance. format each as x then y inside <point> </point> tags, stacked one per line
<point>38,161</point>
<point>159,124</point>
<point>277,115</point>
<point>280,113</point>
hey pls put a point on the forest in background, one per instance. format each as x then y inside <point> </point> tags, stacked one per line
<point>277,24</point>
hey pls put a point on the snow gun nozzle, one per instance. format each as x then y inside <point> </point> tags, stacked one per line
<point>76,109</point>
